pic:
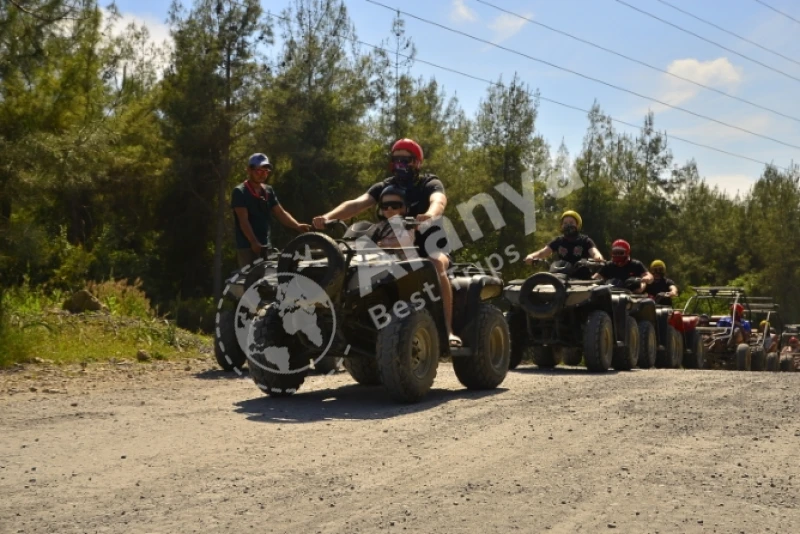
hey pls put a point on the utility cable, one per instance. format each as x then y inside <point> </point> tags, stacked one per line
<point>778,11</point>
<point>585,76</point>
<point>639,62</point>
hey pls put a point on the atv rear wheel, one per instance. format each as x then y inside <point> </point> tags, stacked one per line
<point>773,359</point>
<point>363,370</point>
<point>598,341</point>
<point>268,331</point>
<point>786,363</point>
<point>518,331</point>
<point>648,345</point>
<point>487,367</point>
<point>743,357</point>
<point>625,358</point>
<point>228,353</point>
<point>408,355</point>
<point>697,358</point>
<point>758,360</point>
<point>672,355</point>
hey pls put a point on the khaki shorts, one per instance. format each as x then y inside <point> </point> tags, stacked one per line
<point>245,256</point>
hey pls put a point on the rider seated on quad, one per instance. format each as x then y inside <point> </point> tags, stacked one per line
<point>623,268</point>
<point>661,289</point>
<point>390,231</point>
<point>793,347</point>
<point>741,327</point>
<point>571,247</point>
<point>425,201</point>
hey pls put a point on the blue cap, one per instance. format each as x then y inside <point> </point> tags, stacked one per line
<point>259,160</point>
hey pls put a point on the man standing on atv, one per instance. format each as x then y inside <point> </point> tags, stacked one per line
<point>425,200</point>
<point>622,267</point>
<point>571,246</point>
<point>661,289</point>
<point>252,202</point>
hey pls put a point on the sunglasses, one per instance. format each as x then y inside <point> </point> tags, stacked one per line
<point>658,271</point>
<point>618,253</point>
<point>406,160</point>
<point>392,205</point>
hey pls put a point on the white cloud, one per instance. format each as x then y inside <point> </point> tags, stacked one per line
<point>731,184</point>
<point>506,26</point>
<point>461,12</point>
<point>718,73</point>
<point>159,32</point>
<point>714,134</point>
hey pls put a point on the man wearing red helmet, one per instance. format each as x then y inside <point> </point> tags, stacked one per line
<point>623,267</point>
<point>425,200</point>
<point>742,327</point>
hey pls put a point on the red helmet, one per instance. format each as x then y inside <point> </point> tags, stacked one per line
<point>410,145</point>
<point>737,309</point>
<point>620,258</point>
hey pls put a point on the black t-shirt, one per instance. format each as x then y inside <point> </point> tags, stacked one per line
<point>632,269</point>
<point>660,285</point>
<point>572,250</point>
<point>418,195</point>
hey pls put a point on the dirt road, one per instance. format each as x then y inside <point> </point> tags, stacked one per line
<point>163,448</point>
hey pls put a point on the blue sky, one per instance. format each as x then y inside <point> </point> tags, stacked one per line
<point>615,26</point>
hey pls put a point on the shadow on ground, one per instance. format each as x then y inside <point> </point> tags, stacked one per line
<point>352,401</point>
<point>561,371</point>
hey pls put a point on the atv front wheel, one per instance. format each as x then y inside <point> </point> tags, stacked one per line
<point>625,358</point>
<point>487,367</point>
<point>544,357</point>
<point>569,355</point>
<point>228,353</point>
<point>758,360</point>
<point>518,331</point>
<point>773,359</point>
<point>672,355</point>
<point>786,363</point>
<point>743,357</point>
<point>697,358</point>
<point>327,365</point>
<point>408,355</point>
<point>648,345</point>
<point>268,331</point>
<point>598,342</point>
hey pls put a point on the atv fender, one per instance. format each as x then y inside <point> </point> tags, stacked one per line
<point>477,288</point>
<point>644,310</point>
<point>620,304</point>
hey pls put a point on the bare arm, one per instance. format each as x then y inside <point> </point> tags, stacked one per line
<point>345,210</point>
<point>247,230</point>
<point>546,252</point>
<point>438,204</point>
<point>595,254</point>
<point>673,291</point>
<point>286,219</point>
<point>647,278</point>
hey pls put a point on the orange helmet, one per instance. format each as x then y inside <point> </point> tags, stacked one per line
<point>617,257</point>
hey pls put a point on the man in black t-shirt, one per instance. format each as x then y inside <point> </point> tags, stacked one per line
<point>425,201</point>
<point>572,246</point>
<point>661,289</point>
<point>622,267</point>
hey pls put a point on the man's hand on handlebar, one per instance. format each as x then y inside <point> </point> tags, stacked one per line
<point>320,222</point>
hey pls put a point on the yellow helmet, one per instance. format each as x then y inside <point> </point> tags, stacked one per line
<point>658,263</point>
<point>574,215</point>
<point>763,324</point>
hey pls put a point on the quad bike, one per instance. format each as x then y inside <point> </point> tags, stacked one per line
<point>383,314</point>
<point>679,342</point>
<point>244,290</point>
<point>727,345</point>
<point>557,317</point>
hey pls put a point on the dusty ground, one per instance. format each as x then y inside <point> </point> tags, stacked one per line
<point>171,448</point>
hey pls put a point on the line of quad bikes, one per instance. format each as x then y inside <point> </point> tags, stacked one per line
<point>551,318</point>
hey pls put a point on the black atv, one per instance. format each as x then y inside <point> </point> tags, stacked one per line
<point>557,316</point>
<point>244,290</point>
<point>382,313</point>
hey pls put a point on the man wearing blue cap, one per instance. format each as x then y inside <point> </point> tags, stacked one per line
<point>252,202</point>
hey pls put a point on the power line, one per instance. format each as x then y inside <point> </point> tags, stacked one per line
<point>745,39</point>
<point>586,76</point>
<point>556,102</point>
<point>778,11</point>
<point>684,30</point>
<point>619,54</point>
